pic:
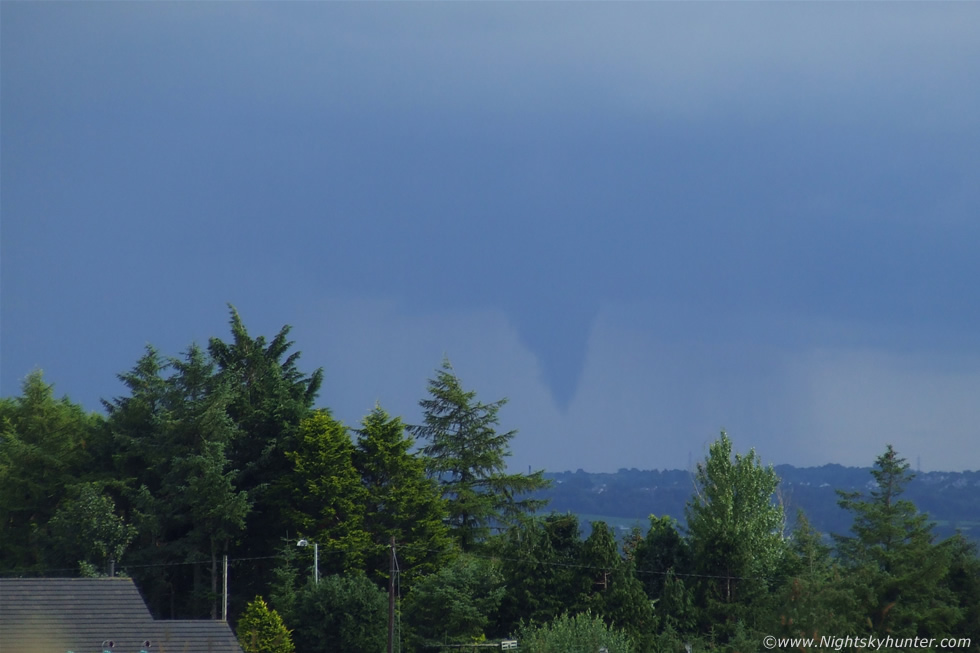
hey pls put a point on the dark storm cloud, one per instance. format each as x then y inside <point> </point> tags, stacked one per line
<point>752,181</point>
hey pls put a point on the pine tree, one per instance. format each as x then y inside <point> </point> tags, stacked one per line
<point>203,480</point>
<point>401,502</point>
<point>895,569</point>
<point>468,457</point>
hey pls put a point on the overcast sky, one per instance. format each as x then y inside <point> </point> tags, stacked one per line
<point>641,222</point>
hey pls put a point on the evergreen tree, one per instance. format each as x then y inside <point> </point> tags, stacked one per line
<point>401,502</point>
<point>540,561</point>
<point>468,457</point>
<point>663,562</point>
<point>203,480</point>
<point>172,434</point>
<point>661,551</point>
<point>270,396</point>
<point>328,499</point>
<point>261,630</point>
<point>963,581</point>
<point>615,594</point>
<point>894,568</point>
<point>43,452</point>
<point>814,598</point>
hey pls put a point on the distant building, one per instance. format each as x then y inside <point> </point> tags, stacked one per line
<point>91,615</point>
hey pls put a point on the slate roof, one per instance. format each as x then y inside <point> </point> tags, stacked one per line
<point>56,615</point>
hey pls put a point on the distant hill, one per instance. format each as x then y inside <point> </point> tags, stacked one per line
<point>626,498</point>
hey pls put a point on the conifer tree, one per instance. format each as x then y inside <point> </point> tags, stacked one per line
<point>468,456</point>
<point>261,630</point>
<point>401,502</point>
<point>328,499</point>
<point>172,435</point>
<point>897,572</point>
<point>814,598</point>
<point>615,594</point>
<point>43,452</point>
<point>270,396</point>
<point>540,560</point>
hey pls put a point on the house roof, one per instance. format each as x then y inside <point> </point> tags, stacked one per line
<point>83,615</point>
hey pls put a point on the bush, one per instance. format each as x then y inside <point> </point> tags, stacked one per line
<point>583,633</point>
<point>261,630</point>
<point>342,613</point>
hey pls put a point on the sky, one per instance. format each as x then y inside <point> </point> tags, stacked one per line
<point>641,223</point>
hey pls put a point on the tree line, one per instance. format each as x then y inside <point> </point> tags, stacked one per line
<point>221,451</point>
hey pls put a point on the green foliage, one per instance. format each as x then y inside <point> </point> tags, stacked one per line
<point>455,604</point>
<point>269,398</point>
<point>897,573</point>
<point>43,451</point>
<point>663,561</point>
<point>285,586</point>
<point>963,580</point>
<point>261,630</point>
<point>660,552</point>
<point>341,613</point>
<point>87,528</point>
<point>540,561</point>
<point>220,451</point>
<point>735,534</point>
<point>327,495</point>
<point>814,598</point>
<point>582,633</point>
<point>172,435</point>
<point>401,502</point>
<point>615,594</point>
<point>468,456</point>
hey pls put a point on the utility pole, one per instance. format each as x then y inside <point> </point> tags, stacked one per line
<point>224,588</point>
<point>391,596</point>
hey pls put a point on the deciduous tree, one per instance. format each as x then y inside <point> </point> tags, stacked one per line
<point>341,613</point>
<point>455,605</point>
<point>735,530</point>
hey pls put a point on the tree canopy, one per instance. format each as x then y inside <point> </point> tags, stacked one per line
<point>467,455</point>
